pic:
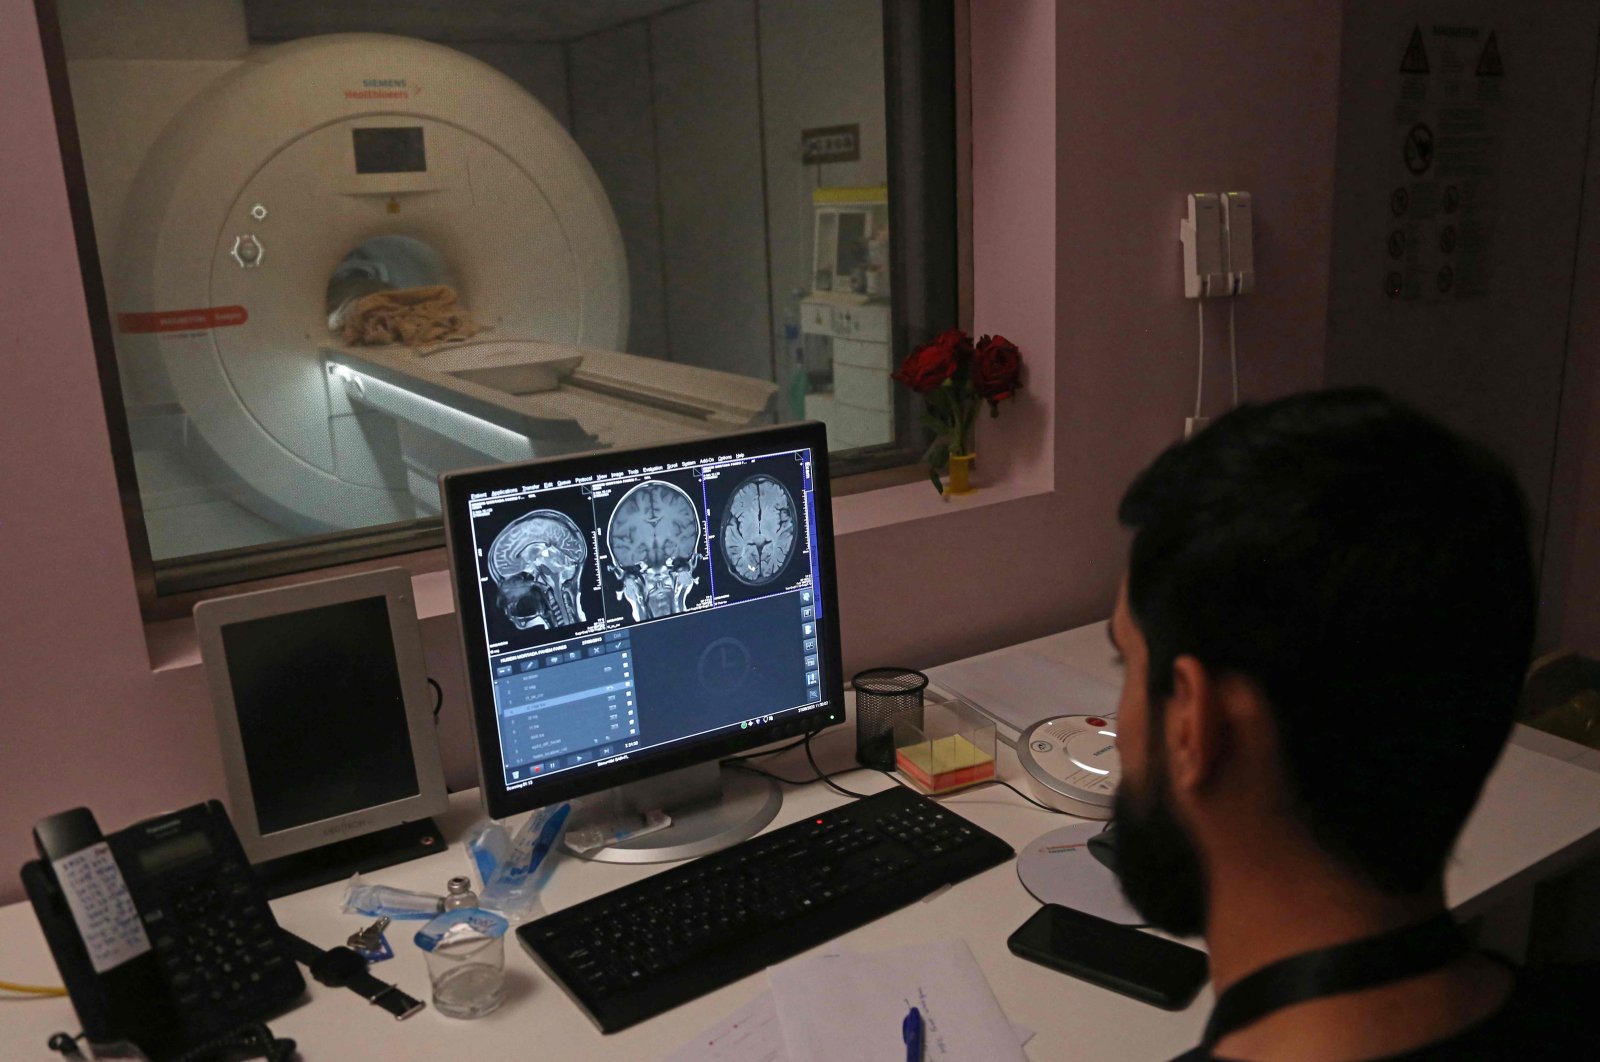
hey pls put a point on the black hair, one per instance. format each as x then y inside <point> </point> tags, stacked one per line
<point>1370,572</point>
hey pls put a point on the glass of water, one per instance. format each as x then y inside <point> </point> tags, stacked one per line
<point>466,956</point>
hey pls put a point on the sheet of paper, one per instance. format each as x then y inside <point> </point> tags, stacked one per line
<point>753,1034</point>
<point>100,904</point>
<point>843,1008</point>
<point>1087,649</point>
<point>750,1034</point>
<point>1018,687</point>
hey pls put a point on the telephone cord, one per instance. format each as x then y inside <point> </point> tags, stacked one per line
<point>32,990</point>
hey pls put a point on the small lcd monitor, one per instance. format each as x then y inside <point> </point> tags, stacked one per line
<point>325,720</point>
<point>631,617</point>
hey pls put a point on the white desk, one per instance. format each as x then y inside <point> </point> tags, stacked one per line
<point>1537,816</point>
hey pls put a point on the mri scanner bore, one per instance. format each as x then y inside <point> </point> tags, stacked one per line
<point>347,263</point>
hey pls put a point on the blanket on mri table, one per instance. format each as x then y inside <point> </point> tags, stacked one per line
<point>411,316</point>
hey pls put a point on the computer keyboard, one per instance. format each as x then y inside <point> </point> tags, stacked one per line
<point>647,947</point>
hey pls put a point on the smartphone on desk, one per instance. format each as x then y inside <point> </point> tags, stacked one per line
<point>1149,968</point>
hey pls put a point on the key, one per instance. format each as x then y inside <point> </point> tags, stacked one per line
<point>368,939</point>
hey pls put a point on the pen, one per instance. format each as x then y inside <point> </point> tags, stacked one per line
<point>911,1032</point>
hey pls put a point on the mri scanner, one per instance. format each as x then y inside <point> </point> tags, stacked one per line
<point>401,162</point>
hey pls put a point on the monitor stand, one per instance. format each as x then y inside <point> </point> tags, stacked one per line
<point>711,806</point>
<point>339,860</point>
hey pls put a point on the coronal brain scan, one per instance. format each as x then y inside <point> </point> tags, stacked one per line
<point>653,538</point>
<point>536,562</point>
<point>758,530</point>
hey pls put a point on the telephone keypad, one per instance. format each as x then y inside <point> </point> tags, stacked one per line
<point>214,942</point>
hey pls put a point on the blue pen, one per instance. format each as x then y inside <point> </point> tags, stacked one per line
<point>911,1032</point>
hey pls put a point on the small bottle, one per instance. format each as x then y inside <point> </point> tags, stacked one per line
<point>459,894</point>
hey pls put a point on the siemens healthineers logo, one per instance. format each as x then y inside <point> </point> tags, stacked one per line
<point>383,88</point>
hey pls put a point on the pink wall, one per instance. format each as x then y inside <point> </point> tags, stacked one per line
<point>1092,94</point>
<point>1128,81</point>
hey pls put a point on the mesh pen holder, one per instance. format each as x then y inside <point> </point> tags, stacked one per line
<point>885,696</point>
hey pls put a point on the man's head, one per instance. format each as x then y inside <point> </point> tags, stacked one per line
<point>1363,577</point>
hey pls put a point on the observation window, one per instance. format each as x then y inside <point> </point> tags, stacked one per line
<point>333,250</point>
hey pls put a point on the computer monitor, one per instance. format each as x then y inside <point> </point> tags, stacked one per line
<point>630,617</point>
<point>325,720</point>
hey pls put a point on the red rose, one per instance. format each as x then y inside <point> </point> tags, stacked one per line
<point>959,342</point>
<point>931,365</point>
<point>996,368</point>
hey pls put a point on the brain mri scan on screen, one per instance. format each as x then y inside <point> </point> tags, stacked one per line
<point>758,530</point>
<point>653,538</point>
<point>536,562</point>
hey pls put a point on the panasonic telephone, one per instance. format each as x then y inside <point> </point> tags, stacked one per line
<point>162,935</point>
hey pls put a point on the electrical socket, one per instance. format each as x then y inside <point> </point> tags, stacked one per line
<point>831,143</point>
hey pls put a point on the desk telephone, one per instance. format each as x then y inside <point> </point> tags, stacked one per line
<point>161,934</point>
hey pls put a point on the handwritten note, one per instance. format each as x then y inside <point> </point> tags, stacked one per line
<point>100,904</point>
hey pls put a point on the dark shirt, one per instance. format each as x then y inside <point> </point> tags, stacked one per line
<point>1553,1013</point>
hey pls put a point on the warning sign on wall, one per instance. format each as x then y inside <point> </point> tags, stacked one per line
<point>1415,61</point>
<point>1490,64</point>
<point>1445,165</point>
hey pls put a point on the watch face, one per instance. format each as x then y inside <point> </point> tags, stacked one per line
<point>759,527</point>
<point>338,967</point>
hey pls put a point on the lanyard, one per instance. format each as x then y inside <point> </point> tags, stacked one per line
<point>1416,949</point>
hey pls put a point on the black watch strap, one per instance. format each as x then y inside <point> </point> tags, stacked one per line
<point>343,968</point>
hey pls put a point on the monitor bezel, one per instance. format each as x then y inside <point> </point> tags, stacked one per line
<point>455,489</point>
<point>431,798</point>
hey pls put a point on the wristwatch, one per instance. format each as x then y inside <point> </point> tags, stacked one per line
<point>343,968</point>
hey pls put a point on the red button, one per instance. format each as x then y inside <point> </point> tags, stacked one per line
<point>1093,721</point>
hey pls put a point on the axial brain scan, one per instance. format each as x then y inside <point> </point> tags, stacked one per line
<point>758,530</point>
<point>654,540</point>
<point>536,562</point>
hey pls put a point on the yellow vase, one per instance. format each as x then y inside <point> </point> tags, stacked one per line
<point>960,481</point>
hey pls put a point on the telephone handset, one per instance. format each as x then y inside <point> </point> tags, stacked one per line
<point>161,934</point>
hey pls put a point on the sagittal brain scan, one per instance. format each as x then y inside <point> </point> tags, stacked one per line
<point>536,562</point>
<point>653,538</point>
<point>758,530</point>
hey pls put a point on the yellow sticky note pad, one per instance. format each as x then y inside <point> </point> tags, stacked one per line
<point>945,763</point>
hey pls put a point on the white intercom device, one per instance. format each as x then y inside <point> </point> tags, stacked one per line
<point>1073,763</point>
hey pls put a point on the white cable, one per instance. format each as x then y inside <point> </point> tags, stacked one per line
<point>1233,351</point>
<point>1200,382</point>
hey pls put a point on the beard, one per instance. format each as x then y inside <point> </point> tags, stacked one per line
<point>1157,864</point>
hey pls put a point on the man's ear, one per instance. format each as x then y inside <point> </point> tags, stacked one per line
<point>1196,725</point>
